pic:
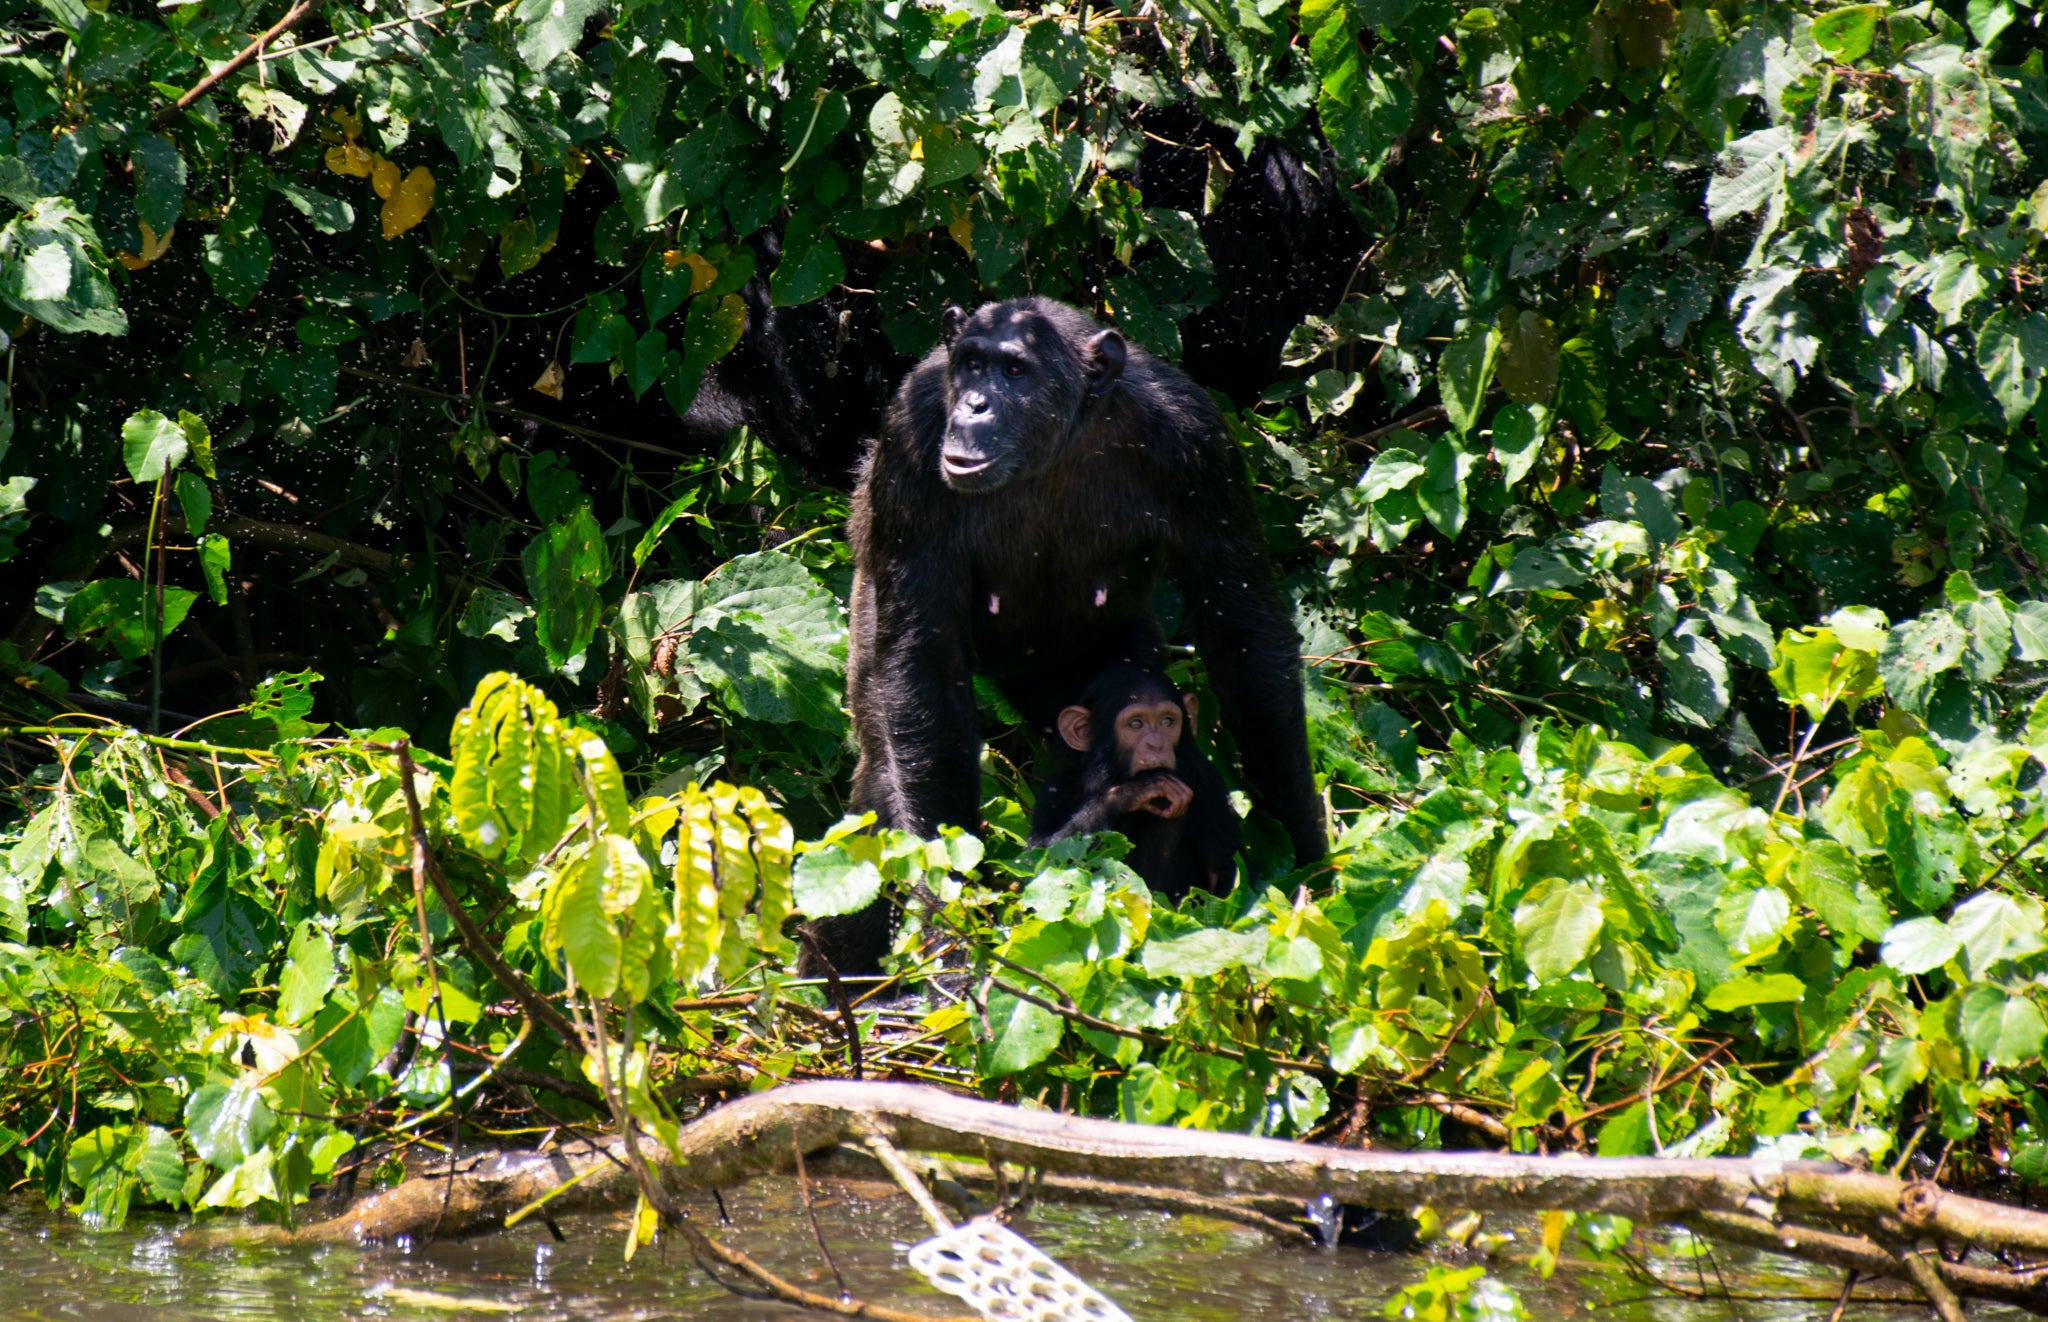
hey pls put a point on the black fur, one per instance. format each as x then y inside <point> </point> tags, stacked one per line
<point>1045,580</point>
<point>1173,854</point>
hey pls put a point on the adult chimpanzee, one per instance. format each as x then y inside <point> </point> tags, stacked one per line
<point>1139,773</point>
<point>1034,475</point>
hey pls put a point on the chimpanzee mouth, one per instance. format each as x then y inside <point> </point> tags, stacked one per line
<point>972,474</point>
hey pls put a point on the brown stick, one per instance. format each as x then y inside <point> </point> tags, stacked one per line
<point>1866,1257</point>
<point>474,941</point>
<point>1919,1261</point>
<point>249,52</point>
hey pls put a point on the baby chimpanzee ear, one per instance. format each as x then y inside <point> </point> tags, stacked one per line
<point>1074,728</point>
<point>1105,363</point>
<point>950,322</point>
<point>1193,705</point>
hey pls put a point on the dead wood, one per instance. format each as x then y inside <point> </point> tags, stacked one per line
<point>1759,1201</point>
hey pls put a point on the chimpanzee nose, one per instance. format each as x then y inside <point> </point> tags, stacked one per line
<point>977,402</point>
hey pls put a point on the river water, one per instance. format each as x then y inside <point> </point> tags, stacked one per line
<point>1158,1267</point>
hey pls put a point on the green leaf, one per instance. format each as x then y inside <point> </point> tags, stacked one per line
<point>1638,500</point>
<point>1463,374</point>
<point>1024,1034</point>
<point>1557,923</point>
<point>1201,954</point>
<point>308,975</point>
<point>1846,34</point>
<point>1816,671</point>
<point>1518,434</point>
<point>227,1124</point>
<point>1695,676</point>
<point>215,560</point>
<point>1537,567</point>
<point>1831,883</point>
<point>808,268</point>
<point>771,640</point>
<point>1527,366</point>
<point>2030,630</point>
<point>119,612</point>
<point>236,262</point>
<point>1626,1133</point>
<point>830,882</point>
<point>330,215</point>
<point>151,445</point>
<point>159,182</point>
<point>52,269</point>
<point>195,501</point>
<point>1390,470</point>
<point>564,567</point>
<point>585,932</point>
<point>1755,989</point>
<point>159,1165</point>
<point>2012,352</point>
<point>550,28</point>
<point>1917,653</point>
<point>1920,945</point>
<point>1994,927</point>
<point>1923,872</point>
<point>2004,1029</point>
<point>1442,490</point>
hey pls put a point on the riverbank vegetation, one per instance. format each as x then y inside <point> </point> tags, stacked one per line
<point>457,402</point>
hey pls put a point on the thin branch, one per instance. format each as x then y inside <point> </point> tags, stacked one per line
<point>473,940</point>
<point>249,52</point>
<point>907,1180</point>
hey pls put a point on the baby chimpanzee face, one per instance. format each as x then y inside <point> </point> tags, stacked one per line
<point>1147,735</point>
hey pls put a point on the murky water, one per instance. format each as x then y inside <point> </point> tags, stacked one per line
<point>1158,1267</point>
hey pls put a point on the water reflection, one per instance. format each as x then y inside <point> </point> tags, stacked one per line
<point>1157,1266</point>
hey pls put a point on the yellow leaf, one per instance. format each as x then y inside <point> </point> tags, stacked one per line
<point>552,378</point>
<point>383,177</point>
<point>153,246</point>
<point>962,230</point>
<point>350,125</point>
<point>702,273</point>
<point>572,173</point>
<point>410,204</point>
<point>917,150</point>
<point>348,159</point>
<point>671,259</point>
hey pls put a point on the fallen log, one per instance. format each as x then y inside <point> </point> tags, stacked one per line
<point>1750,1199</point>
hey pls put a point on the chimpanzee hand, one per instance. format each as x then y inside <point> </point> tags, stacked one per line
<point>1160,793</point>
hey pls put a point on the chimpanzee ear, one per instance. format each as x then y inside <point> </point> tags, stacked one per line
<point>950,322</point>
<point>1106,357</point>
<point>1193,705</point>
<point>1074,728</point>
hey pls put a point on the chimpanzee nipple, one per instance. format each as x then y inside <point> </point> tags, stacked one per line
<point>1101,595</point>
<point>995,603</point>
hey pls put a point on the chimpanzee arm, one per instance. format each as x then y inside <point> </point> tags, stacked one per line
<point>1248,644</point>
<point>1161,793</point>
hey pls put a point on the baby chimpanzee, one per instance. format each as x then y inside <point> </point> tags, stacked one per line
<point>1140,774</point>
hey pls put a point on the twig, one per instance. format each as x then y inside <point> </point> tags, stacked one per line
<point>1842,1303</point>
<point>1918,1262</point>
<point>249,52</point>
<point>2013,857</point>
<point>385,26</point>
<point>906,1179</point>
<point>465,927</point>
<point>803,1185</point>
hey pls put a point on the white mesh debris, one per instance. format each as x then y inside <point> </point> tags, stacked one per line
<point>1003,1276</point>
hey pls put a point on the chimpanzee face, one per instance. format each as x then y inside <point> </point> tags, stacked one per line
<point>1015,387</point>
<point>1147,731</point>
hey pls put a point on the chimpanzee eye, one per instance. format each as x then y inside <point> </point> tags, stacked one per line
<point>1013,369</point>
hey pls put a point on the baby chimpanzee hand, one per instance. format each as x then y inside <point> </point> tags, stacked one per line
<point>1160,793</point>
